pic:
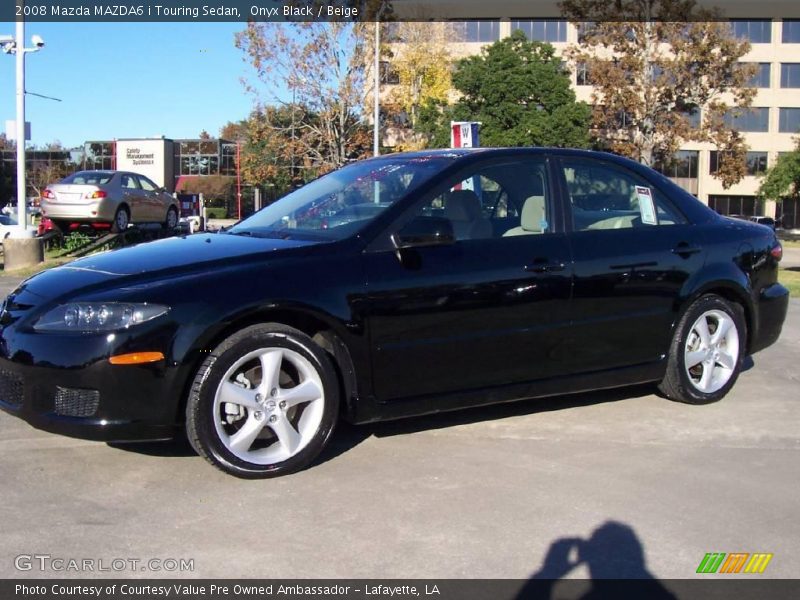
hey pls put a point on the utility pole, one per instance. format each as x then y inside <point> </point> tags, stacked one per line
<point>376,133</point>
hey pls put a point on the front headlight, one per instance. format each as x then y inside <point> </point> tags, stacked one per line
<point>98,316</point>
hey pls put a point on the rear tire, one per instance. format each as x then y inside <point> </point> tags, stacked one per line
<point>707,352</point>
<point>264,403</point>
<point>60,226</point>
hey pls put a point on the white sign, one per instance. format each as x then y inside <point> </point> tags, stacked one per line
<point>146,157</point>
<point>646,207</point>
<point>11,130</point>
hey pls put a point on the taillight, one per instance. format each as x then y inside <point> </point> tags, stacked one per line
<point>777,252</point>
<point>95,195</point>
<point>48,194</point>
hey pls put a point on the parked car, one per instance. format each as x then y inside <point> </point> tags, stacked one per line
<point>115,197</point>
<point>762,220</point>
<point>598,273</point>
<point>7,225</point>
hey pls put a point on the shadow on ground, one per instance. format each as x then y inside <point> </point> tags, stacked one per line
<point>615,559</point>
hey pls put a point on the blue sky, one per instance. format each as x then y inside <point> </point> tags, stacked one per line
<point>119,80</point>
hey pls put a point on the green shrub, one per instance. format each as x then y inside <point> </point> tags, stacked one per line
<point>75,241</point>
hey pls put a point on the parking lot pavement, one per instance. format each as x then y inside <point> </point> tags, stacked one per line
<point>649,486</point>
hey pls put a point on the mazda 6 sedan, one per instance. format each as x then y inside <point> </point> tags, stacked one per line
<point>484,276</point>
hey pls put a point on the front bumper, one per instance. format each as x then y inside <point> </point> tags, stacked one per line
<point>773,303</point>
<point>64,384</point>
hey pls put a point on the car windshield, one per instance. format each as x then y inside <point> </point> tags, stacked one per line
<point>333,207</point>
<point>88,177</point>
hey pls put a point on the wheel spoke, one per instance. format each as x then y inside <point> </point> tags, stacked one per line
<point>726,359</point>
<point>243,439</point>
<point>270,369</point>
<point>695,358</point>
<point>236,394</point>
<point>723,327</point>
<point>708,373</point>
<point>288,436</point>
<point>308,391</point>
<point>701,327</point>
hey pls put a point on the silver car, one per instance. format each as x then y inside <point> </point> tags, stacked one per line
<point>116,197</point>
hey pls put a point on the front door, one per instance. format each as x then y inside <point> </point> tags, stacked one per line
<point>488,310</point>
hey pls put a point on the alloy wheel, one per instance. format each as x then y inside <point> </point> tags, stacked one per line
<point>269,405</point>
<point>711,353</point>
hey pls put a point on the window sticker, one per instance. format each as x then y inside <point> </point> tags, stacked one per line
<point>646,208</point>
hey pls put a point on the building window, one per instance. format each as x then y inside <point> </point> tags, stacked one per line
<point>755,32</point>
<point>544,30</point>
<point>754,119</point>
<point>198,157</point>
<point>682,166</point>
<point>762,74</point>
<point>99,156</point>
<point>583,77</point>
<point>733,205</point>
<point>790,75</point>
<point>756,162</point>
<point>789,120</point>
<point>477,31</point>
<point>791,31</point>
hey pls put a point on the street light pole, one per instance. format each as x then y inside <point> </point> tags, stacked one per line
<point>376,136</point>
<point>22,200</point>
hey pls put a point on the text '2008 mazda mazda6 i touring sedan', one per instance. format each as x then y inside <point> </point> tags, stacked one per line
<point>482,276</point>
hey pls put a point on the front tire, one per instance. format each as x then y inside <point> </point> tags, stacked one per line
<point>264,403</point>
<point>121,220</point>
<point>707,351</point>
<point>171,222</point>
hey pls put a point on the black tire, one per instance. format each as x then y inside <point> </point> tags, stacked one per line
<point>60,226</point>
<point>171,222</point>
<point>677,384</point>
<point>204,417</point>
<point>118,225</point>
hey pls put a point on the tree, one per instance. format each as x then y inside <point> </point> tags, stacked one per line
<point>322,64</point>
<point>654,64</point>
<point>421,60</point>
<point>783,179</point>
<point>517,89</point>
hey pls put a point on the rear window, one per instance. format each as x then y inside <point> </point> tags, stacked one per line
<point>88,178</point>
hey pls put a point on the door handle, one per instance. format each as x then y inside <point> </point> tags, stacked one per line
<point>543,265</point>
<point>684,249</point>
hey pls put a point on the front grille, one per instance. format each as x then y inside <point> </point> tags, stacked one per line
<point>71,402</point>
<point>11,388</point>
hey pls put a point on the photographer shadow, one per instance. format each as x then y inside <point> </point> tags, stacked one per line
<point>615,559</point>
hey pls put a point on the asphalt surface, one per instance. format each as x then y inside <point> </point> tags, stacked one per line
<point>642,485</point>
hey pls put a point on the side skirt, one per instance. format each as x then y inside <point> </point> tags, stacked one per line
<point>370,410</point>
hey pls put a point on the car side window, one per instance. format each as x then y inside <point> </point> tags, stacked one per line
<point>603,196</point>
<point>128,182</point>
<point>495,201</point>
<point>147,185</point>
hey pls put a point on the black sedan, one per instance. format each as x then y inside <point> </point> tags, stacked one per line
<point>483,276</point>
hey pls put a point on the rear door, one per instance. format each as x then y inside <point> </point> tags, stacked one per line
<point>154,199</point>
<point>633,251</point>
<point>133,196</point>
<point>490,309</point>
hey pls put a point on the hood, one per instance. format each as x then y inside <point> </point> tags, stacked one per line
<point>167,257</point>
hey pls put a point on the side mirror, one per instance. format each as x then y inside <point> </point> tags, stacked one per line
<point>424,231</point>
